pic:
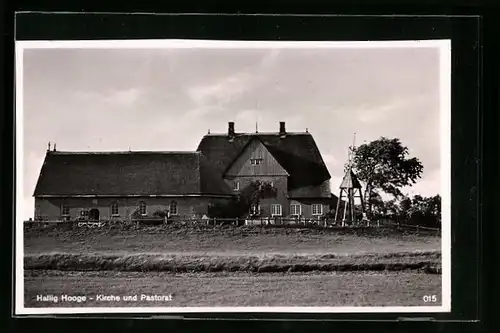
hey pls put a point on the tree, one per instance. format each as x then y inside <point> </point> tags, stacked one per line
<point>384,165</point>
<point>240,206</point>
<point>378,205</point>
<point>422,211</point>
<point>425,211</point>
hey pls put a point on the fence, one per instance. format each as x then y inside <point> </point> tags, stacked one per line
<point>272,222</point>
<point>410,226</point>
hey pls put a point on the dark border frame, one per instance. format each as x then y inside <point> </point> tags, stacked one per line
<point>467,117</point>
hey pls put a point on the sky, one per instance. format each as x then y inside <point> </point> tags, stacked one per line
<point>168,98</point>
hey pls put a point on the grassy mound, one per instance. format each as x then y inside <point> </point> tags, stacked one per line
<point>426,261</point>
<point>115,238</point>
<point>113,228</point>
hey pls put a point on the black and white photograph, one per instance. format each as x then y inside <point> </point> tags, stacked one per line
<point>174,176</point>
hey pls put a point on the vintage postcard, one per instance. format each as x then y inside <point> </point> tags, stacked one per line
<point>175,176</point>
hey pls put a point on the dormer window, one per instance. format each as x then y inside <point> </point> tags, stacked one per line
<point>256,161</point>
<point>236,186</point>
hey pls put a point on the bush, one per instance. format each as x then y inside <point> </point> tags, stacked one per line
<point>135,214</point>
<point>161,213</point>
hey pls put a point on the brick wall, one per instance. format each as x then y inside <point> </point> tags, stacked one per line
<point>186,206</point>
<point>279,183</point>
<point>306,206</point>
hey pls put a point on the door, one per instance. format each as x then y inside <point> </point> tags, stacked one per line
<point>94,214</point>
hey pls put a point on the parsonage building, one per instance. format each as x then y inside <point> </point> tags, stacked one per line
<point>113,185</point>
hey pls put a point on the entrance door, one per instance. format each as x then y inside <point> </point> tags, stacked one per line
<point>94,214</point>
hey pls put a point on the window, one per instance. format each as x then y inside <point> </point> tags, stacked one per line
<point>173,208</point>
<point>295,209</point>
<point>236,186</point>
<point>275,210</point>
<point>255,209</point>
<point>255,161</point>
<point>64,210</point>
<point>114,208</point>
<point>142,208</point>
<point>317,209</point>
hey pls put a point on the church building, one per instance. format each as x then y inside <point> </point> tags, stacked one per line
<point>115,185</point>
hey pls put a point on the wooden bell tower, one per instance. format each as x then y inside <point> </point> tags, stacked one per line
<point>350,189</point>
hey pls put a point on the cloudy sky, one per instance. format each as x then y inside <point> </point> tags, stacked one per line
<point>167,99</point>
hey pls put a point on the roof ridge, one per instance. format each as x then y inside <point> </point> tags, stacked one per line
<point>259,133</point>
<point>120,152</point>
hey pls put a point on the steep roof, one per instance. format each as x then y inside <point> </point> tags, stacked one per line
<point>350,180</point>
<point>297,153</point>
<point>128,173</point>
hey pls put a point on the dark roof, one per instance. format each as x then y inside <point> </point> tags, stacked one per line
<point>350,180</point>
<point>297,153</point>
<point>128,173</point>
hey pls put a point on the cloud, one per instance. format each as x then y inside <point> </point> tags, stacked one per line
<point>125,97</point>
<point>148,99</point>
<point>231,88</point>
<point>428,185</point>
<point>221,91</point>
<point>335,182</point>
<point>117,97</point>
<point>32,163</point>
<point>374,113</point>
<point>269,60</point>
<point>247,117</point>
<point>330,160</point>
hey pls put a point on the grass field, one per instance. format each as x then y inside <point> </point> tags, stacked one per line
<point>227,266</point>
<point>235,289</point>
<point>227,241</point>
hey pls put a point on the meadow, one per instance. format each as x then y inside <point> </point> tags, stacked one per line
<point>233,266</point>
<point>235,289</point>
<point>226,240</point>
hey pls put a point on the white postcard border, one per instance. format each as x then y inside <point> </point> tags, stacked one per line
<point>445,107</point>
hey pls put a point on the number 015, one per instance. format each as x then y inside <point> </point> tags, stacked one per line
<point>430,298</point>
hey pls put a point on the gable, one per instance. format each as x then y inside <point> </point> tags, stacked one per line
<point>264,163</point>
<point>296,153</point>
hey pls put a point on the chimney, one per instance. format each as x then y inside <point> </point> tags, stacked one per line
<point>230,130</point>
<point>282,129</point>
